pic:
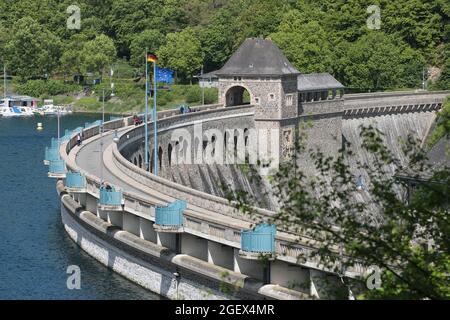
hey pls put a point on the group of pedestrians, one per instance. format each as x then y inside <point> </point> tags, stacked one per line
<point>137,120</point>
<point>186,109</point>
<point>105,185</point>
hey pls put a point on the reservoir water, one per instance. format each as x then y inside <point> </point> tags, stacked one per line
<point>35,251</point>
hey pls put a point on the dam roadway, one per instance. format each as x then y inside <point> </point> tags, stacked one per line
<point>86,159</point>
<point>209,246</point>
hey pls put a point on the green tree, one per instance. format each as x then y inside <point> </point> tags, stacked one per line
<point>32,50</point>
<point>172,16</point>
<point>406,237</point>
<point>345,20</point>
<point>304,43</point>
<point>131,17</point>
<point>413,64</point>
<point>182,52</point>
<point>419,23</point>
<point>200,12</point>
<point>373,62</point>
<point>259,18</point>
<point>98,54</point>
<point>218,38</point>
<point>150,39</point>
<point>72,56</point>
<point>443,83</point>
<point>3,40</point>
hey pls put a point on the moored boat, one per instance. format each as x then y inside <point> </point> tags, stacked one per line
<point>17,106</point>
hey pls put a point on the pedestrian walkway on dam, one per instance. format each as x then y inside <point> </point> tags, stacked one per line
<point>212,237</point>
<point>88,159</point>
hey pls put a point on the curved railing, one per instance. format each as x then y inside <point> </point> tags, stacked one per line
<point>110,197</point>
<point>171,215</point>
<point>57,169</point>
<point>259,240</point>
<point>176,190</point>
<point>51,154</point>
<point>54,143</point>
<point>287,246</point>
<point>75,180</point>
<point>168,120</point>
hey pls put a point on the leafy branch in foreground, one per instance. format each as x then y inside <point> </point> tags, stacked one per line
<point>382,223</point>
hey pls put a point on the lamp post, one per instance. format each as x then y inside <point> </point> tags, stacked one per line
<point>153,59</point>
<point>111,73</point>
<point>423,78</point>
<point>203,90</point>
<point>155,124</point>
<point>4,81</point>
<point>59,135</point>
<point>146,111</point>
<point>101,136</point>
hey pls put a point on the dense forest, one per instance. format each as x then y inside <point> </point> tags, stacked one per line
<point>38,39</point>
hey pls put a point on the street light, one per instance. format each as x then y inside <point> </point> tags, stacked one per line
<point>4,81</point>
<point>110,80</point>
<point>101,136</point>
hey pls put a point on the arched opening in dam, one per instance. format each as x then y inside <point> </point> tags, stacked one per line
<point>237,95</point>
<point>160,157</point>
<point>169,153</point>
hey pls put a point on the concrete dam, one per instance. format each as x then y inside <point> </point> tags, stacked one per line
<point>166,224</point>
<point>395,127</point>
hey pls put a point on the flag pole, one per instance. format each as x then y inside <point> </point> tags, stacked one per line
<point>155,124</point>
<point>203,91</point>
<point>4,80</point>
<point>146,110</point>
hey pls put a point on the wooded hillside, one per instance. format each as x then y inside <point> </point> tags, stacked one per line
<point>317,36</point>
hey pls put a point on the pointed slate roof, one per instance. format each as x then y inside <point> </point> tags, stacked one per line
<point>209,75</point>
<point>317,81</point>
<point>257,56</point>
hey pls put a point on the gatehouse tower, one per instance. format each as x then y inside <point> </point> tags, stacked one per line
<point>258,73</point>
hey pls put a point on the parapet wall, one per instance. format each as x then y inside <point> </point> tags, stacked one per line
<point>153,266</point>
<point>386,99</point>
<point>208,216</point>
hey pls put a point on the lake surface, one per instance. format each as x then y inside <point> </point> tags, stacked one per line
<point>35,251</point>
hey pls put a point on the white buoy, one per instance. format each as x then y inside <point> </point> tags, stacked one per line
<point>39,126</point>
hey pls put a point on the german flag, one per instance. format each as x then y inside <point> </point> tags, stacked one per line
<point>152,57</point>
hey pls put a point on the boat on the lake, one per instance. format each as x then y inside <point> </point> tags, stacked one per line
<point>50,109</point>
<point>17,106</point>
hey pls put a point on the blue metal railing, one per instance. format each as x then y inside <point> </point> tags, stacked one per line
<point>67,135</point>
<point>57,166</point>
<point>75,180</point>
<point>259,240</point>
<point>77,130</point>
<point>110,197</point>
<point>54,143</point>
<point>172,215</point>
<point>93,124</point>
<point>51,154</point>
